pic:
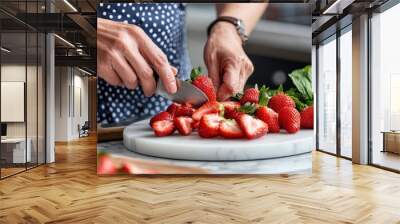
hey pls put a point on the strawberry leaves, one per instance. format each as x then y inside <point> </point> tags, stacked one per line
<point>263,96</point>
<point>196,72</point>
<point>248,108</point>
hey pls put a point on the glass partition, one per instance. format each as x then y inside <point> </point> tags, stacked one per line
<point>15,149</point>
<point>327,96</point>
<point>23,90</point>
<point>346,93</point>
<point>385,89</point>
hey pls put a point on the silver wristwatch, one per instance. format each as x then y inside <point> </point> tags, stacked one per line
<point>238,23</point>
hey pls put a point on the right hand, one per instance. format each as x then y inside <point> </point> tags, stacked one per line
<point>126,56</point>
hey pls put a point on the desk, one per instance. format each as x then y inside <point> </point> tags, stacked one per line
<point>13,150</point>
<point>391,141</point>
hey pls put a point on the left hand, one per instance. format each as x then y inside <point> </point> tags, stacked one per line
<point>228,65</point>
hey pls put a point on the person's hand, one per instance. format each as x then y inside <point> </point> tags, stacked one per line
<point>126,56</point>
<point>227,64</point>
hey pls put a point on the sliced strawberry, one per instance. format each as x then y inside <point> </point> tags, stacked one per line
<point>279,101</point>
<point>184,111</point>
<point>205,84</point>
<point>270,117</point>
<point>172,108</point>
<point>207,108</point>
<point>252,127</point>
<point>230,129</point>
<point>230,105</point>
<point>232,114</point>
<point>250,95</point>
<point>187,105</point>
<point>209,125</point>
<point>183,125</point>
<point>195,125</point>
<point>162,116</point>
<point>105,166</point>
<point>289,119</point>
<point>163,128</point>
<point>307,118</point>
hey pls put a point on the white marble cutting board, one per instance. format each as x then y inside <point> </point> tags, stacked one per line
<point>139,137</point>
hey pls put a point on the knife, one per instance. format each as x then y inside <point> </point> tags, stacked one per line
<point>186,93</point>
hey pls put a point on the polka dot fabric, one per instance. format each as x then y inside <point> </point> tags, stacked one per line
<point>164,23</point>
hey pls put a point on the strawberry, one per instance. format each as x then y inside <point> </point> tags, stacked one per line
<point>209,125</point>
<point>186,104</point>
<point>230,105</point>
<point>163,128</point>
<point>289,119</point>
<point>252,127</point>
<point>230,129</point>
<point>172,108</point>
<point>205,84</point>
<point>270,117</point>
<point>162,116</point>
<point>128,168</point>
<point>250,95</point>
<point>105,165</point>
<point>207,108</point>
<point>183,125</point>
<point>232,113</point>
<point>279,101</point>
<point>184,111</point>
<point>195,124</point>
<point>307,118</point>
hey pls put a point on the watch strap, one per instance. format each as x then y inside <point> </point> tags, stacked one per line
<point>235,22</point>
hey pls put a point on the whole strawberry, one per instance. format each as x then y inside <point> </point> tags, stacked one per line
<point>307,118</point>
<point>289,119</point>
<point>270,117</point>
<point>279,101</point>
<point>204,83</point>
<point>250,95</point>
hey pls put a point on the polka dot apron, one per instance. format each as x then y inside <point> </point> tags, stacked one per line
<point>164,23</point>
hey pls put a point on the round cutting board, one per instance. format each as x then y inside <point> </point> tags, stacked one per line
<point>139,137</point>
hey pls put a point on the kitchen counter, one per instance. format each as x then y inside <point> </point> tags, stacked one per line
<point>291,164</point>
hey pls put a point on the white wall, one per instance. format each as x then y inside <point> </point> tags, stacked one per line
<point>70,83</point>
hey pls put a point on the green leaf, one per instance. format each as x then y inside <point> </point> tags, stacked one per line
<point>264,96</point>
<point>248,108</point>
<point>196,72</point>
<point>280,88</point>
<point>294,94</point>
<point>301,79</point>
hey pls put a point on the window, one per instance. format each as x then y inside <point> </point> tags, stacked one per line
<point>327,96</point>
<point>385,89</point>
<point>346,92</point>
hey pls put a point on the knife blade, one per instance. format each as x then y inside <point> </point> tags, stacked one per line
<point>186,93</point>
